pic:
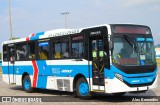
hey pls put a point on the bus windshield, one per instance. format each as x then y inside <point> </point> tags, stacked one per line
<point>133,51</point>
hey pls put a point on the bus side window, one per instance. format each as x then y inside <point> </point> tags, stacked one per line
<point>61,48</point>
<point>31,50</point>
<point>57,49</point>
<point>5,56</point>
<point>21,51</point>
<point>77,47</point>
<point>65,48</point>
<point>44,50</point>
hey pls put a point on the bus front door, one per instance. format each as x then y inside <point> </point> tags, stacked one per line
<point>97,53</point>
<point>11,62</point>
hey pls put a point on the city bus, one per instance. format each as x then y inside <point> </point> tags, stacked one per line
<point>109,58</point>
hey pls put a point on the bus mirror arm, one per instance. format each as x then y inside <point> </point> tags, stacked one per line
<point>110,45</point>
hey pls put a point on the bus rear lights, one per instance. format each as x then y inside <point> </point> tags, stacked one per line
<point>120,77</point>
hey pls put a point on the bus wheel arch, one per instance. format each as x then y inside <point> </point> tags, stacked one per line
<point>26,83</point>
<point>24,74</point>
<point>80,86</point>
<point>76,79</point>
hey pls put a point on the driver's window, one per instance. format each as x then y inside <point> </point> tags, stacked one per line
<point>77,50</point>
<point>118,45</point>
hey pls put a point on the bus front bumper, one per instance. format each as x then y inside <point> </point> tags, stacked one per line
<point>115,86</point>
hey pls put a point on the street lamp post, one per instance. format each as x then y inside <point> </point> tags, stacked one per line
<point>9,12</point>
<point>65,16</point>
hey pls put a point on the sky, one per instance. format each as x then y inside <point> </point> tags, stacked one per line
<point>31,16</point>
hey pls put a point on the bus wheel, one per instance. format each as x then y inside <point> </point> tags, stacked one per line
<point>82,89</point>
<point>27,84</point>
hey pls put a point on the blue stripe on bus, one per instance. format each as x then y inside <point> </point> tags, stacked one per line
<point>140,80</point>
<point>37,36</point>
<point>132,75</point>
<point>72,70</point>
<point>51,70</point>
<point>45,70</point>
<point>19,70</point>
<point>39,33</point>
<point>42,82</point>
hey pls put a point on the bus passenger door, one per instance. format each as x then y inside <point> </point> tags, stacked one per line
<point>97,53</point>
<point>11,62</point>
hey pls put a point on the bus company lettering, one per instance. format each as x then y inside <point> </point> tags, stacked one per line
<point>66,71</point>
<point>64,33</point>
<point>95,33</point>
<point>56,70</point>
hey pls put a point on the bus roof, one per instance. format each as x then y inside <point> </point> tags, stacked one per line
<point>51,33</point>
<point>58,32</point>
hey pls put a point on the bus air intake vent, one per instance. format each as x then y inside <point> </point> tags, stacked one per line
<point>63,84</point>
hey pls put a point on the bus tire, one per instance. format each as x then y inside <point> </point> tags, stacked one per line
<point>82,89</point>
<point>27,84</point>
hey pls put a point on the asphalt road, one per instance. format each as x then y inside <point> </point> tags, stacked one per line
<point>62,97</point>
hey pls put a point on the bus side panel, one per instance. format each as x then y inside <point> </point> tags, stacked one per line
<point>8,74</point>
<point>42,82</point>
<point>20,69</point>
<point>55,74</point>
<point>61,75</point>
<point>43,72</point>
<point>5,75</point>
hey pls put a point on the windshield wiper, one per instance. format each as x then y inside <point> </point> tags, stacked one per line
<point>127,39</point>
<point>131,43</point>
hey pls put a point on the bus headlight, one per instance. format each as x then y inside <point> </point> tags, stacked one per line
<point>120,77</point>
